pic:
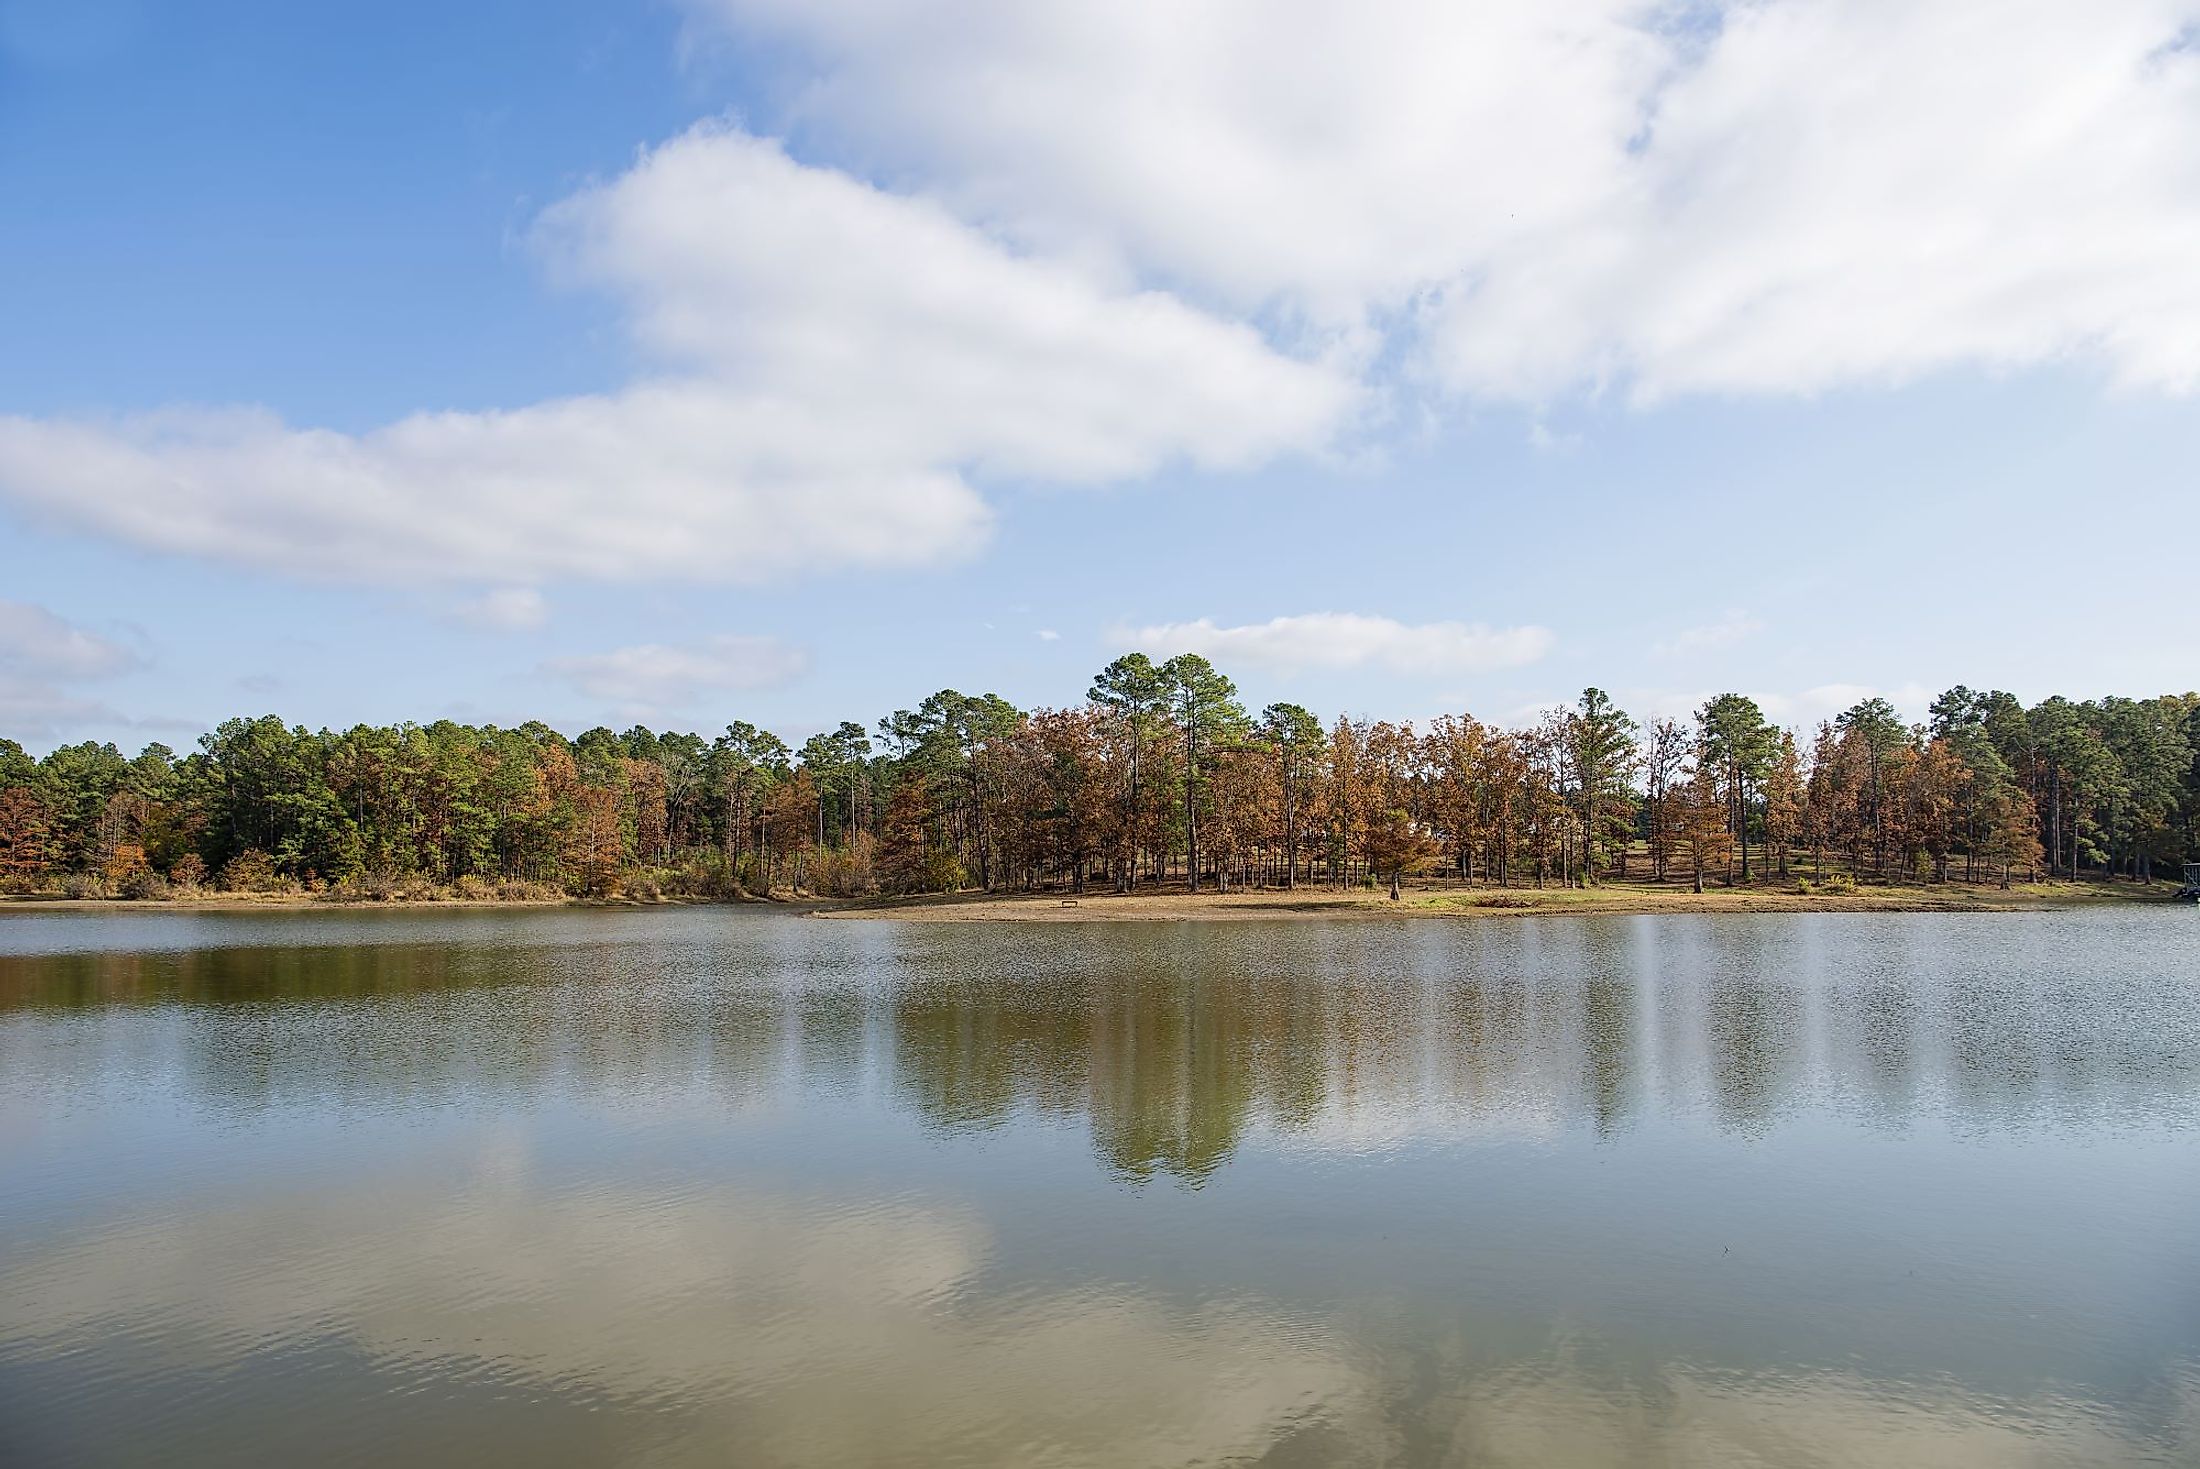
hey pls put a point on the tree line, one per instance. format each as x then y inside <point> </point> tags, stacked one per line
<point>1161,775</point>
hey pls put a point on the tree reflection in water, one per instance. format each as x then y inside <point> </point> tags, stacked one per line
<point>676,1187</point>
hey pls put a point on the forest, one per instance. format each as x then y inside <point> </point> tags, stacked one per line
<point>1160,776</point>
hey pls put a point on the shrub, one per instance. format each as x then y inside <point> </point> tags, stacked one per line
<point>253,871</point>
<point>748,875</point>
<point>941,872</point>
<point>842,872</point>
<point>187,871</point>
<point>476,887</point>
<point>126,863</point>
<point>708,875</point>
<point>143,885</point>
<point>371,887</point>
<point>83,885</point>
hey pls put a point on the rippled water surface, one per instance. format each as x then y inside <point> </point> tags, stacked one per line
<point>710,1186</point>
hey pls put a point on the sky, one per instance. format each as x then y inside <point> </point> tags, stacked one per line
<point>687,361</point>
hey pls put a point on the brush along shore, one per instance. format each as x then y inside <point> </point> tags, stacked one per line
<point>1175,904</point>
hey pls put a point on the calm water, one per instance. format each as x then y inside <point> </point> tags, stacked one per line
<point>710,1186</point>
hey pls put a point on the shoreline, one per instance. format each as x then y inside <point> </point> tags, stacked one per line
<point>1176,906</point>
<point>318,903</point>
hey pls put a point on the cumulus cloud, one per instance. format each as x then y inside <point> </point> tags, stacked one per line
<point>1120,237</point>
<point>897,319</point>
<point>34,641</point>
<point>1732,196</point>
<point>670,479</point>
<point>832,360</point>
<point>1335,640</point>
<point>41,656</point>
<point>653,675</point>
<point>506,609</point>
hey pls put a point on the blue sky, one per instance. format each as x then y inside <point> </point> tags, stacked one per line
<point>788,362</point>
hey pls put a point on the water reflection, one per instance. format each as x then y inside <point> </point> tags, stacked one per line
<point>703,1188</point>
<point>742,1318</point>
<point>1169,1044</point>
<point>701,1325</point>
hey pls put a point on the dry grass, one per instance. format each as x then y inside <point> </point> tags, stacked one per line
<point>1174,904</point>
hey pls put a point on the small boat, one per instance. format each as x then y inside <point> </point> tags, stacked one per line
<point>2190,892</point>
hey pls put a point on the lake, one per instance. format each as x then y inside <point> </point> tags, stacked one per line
<point>708,1186</point>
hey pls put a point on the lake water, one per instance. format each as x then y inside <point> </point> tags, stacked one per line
<point>717,1186</point>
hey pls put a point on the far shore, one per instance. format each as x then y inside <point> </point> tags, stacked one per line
<point>1176,905</point>
<point>323,903</point>
<point>1173,904</point>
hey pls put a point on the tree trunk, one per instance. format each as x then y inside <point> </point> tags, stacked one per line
<point>1191,809</point>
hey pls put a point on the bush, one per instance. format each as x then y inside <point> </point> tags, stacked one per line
<point>381,887</point>
<point>1837,885</point>
<point>126,863</point>
<point>187,871</point>
<point>941,872</point>
<point>842,872</point>
<point>694,876</point>
<point>83,885</point>
<point>253,871</point>
<point>143,885</point>
<point>477,888</point>
<point>748,875</point>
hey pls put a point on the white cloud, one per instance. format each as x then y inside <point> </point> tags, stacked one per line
<point>1725,632</point>
<point>33,641</point>
<point>1333,640</point>
<point>921,337</point>
<point>653,675</point>
<point>1049,635</point>
<point>41,655</point>
<point>506,609</point>
<point>1738,195</point>
<point>834,359</point>
<point>667,479</point>
<point>31,709</point>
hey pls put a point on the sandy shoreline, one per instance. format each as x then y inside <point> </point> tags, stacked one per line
<point>1319,903</point>
<point>1177,906</point>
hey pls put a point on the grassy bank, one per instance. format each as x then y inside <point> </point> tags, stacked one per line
<point>1174,904</point>
<point>216,902</point>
